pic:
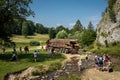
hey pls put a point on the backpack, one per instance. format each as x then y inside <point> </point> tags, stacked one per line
<point>111,70</point>
<point>100,60</point>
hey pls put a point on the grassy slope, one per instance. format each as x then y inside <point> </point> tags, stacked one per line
<point>112,50</point>
<point>25,60</point>
<point>21,41</point>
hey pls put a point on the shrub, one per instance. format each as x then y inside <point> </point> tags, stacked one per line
<point>54,66</point>
<point>35,73</point>
<point>34,43</point>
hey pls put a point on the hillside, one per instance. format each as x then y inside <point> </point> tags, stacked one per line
<point>108,31</point>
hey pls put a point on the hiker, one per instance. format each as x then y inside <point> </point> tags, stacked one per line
<point>26,49</point>
<point>35,55</point>
<point>3,49</point>
<point>49,53</point>
<point>108,57</point>
<point>20,49</point>
<point>100,61</point>
<point>14,47</point>
<point>86,58</point>
<point>79,64</point>
<point>96,61</point>
<point>104,59</point>
<point>42,48</point>
<point>108,65</point>
<point>14,56</point>
<point>52,50</point>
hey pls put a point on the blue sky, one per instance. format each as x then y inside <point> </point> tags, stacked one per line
<point>52,13</point>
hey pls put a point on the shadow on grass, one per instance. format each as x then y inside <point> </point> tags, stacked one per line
<point>29,57</point>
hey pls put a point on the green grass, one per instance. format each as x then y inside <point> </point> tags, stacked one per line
<point>25,61</point>
<point>21,41</point>
<point>112,50</point>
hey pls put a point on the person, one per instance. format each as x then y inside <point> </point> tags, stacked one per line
<point>108,65</point>
<point>26,49</point>
<point>20,49</point>
<point>14,47</point>
<point>100,61</point>
<point>35,55</point>
<point>104,59</point>
<point>14,57</point>
<point>96,61</point>
<point>52,50</point>
<point>79,64</point>
<point>3,49</point>
<point>42,48</point>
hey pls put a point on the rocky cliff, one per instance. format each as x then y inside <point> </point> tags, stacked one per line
<point>108,31</point>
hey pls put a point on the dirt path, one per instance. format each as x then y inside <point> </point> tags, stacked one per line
<point>94,74</point>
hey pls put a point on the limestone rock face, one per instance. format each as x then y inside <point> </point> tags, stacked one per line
<point>108,31</point>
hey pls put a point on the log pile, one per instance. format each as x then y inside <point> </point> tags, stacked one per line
<point>66,45</point>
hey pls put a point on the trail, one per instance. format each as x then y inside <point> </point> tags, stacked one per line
<point>88,71</point>
<point>92,73</point>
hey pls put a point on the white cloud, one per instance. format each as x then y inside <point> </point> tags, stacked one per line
<point>58,24</point>
<point>71,24</point>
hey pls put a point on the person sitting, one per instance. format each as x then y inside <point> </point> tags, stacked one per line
<point>14,57</point>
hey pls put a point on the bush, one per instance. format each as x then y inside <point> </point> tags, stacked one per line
<point>34,43</point>
<point>35,73</point>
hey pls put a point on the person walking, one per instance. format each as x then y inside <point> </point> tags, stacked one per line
<point>3,49</point>
<point>35,55</point>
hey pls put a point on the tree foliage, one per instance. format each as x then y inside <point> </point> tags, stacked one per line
<point>87,37</point>
<point>110,10</point>
<point>52,33</point>
<point>78,26</point>
<point>10,10</point>
<point>41,29</point>
<point>59,28</point>
<point>62,35</point>
<point>90,26</point>
<point>25,28</point>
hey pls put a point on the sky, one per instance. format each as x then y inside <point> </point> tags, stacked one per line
<point>53,13</point>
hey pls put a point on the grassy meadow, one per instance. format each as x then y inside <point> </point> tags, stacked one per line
<point>25,60</point>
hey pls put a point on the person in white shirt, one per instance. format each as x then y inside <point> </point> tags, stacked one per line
<point>35,56</point>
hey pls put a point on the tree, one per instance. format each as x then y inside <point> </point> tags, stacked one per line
<point>110,9</point>
<point>60,28</point>
<point>87,37</point>
<point>25,28</point>
<point>31,27</point>
<point>52,32</point>
<point>90,26</point>
<point>78,26</point>
<point>10,10</point>
<point>39,28</point>
<point>62,34</point>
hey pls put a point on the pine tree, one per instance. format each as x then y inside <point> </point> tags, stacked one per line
<point>78,26</point>
<point>90,26</point>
